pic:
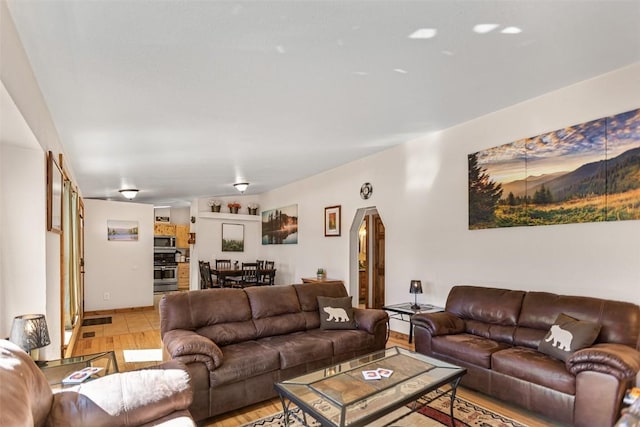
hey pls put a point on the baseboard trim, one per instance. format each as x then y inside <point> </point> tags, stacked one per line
<point>117,310</point>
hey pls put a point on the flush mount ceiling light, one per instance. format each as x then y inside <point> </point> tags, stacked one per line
<point>511,30</point>
<point>484,28</point>
<point>241,186</point>
<point>424,33</point>
<point>129,193</point>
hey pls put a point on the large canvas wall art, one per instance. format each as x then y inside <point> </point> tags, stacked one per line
<point>280,226</point>
<point>583,173</point>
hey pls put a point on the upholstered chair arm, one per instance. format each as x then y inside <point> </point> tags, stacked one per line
<point>125,399</point>
<point>188,347</point>
<point>369,318</point>
<point>442,323</point>
<point>619,360</point>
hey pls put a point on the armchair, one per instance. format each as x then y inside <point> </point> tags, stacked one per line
<point>158,396</point>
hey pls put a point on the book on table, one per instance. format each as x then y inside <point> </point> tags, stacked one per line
<point>79,376</point>
<point>631,395</point>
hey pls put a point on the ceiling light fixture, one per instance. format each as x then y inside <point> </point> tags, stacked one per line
<point>511,30</point>
<point>484,28</point>
<point>241,186</point>
<point>423,33</point>
<point>129,193</point>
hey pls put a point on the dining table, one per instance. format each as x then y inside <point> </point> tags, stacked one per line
<point>222,274</point>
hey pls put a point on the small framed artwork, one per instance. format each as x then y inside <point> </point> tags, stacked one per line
<point>232,238</point>
<point>332,221</point>
<point>54,194</point>
<point>123,231</point>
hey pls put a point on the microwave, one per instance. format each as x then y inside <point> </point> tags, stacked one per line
<point>164,241</point>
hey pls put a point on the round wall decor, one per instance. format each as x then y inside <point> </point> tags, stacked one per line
<point>366,190</point>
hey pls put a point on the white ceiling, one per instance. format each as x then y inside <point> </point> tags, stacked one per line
<point>183,98</point>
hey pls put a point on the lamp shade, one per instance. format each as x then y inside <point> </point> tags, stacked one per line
<point>29,332</point>
<point>416,287</point>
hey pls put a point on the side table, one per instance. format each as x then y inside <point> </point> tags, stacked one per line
<point>404,312</point>
<point>56,370</point>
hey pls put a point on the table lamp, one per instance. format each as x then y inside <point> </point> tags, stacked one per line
<point>416,288</point>
<point>30,333</point>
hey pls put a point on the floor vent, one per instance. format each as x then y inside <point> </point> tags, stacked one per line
<point>97,321</point>
<point>88,335</point>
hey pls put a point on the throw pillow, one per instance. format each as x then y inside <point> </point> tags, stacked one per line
<point>568,335</point>
<point>336,313</point>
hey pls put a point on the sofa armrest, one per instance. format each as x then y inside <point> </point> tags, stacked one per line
<point>618,360</point>
<point>441,323</point>
<point>124,399</point>
<point>188,347</point>
<point>369,318</point>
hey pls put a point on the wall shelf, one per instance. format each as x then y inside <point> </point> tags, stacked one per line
<point>229,216</point>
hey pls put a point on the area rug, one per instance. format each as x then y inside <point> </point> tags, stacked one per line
<point>435,414</point>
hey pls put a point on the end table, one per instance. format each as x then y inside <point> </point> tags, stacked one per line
<point>56,370</point>
<point>404,312</point>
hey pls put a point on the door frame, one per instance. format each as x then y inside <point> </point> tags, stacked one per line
<point>354,289</point>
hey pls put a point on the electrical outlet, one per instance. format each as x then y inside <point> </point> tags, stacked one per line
<point>106,296</point>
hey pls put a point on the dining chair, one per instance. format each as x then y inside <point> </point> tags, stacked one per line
<point>266,278</point>
<point>205,275</point>
<point>223,264</point>
<point>249,274</point>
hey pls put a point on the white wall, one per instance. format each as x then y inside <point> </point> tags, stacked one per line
<point>124,270</point>
<point>420,190</point>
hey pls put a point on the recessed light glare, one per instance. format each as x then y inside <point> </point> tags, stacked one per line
<point>447,53</point>
<point>400,70</point>
<point>511,30</point>
<point>280,49</point>
<point>423,33</point>
<point>484,28</point>
<point>360,73</point>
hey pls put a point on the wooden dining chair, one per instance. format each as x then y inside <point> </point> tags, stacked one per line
<point>249,274</point>
<point>223,264</point>
<point>205,275</point>
<point>266,278</point>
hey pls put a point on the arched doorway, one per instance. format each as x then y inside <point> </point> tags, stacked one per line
<point>367,258</point>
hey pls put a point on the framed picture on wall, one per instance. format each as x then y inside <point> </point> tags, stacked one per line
<point>332,221</point>
<point>232,238</point>
<point>54,194</point>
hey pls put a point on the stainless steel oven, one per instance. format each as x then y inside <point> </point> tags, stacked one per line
<point>165,278</point>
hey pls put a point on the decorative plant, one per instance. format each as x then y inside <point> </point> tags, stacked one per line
<point>232,205</point>
<point>320,272</point>
<point>213,203</point>
<point>253,206</point>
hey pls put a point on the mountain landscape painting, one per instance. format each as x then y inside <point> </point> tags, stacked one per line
<point>583,173</point>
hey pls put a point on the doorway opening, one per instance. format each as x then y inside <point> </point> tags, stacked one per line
<point>367,258</point>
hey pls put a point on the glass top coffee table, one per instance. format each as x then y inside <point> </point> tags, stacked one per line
<point>341,396</point>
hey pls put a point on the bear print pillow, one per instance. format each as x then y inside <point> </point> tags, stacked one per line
<point>567,335</point>
<point>336,313</point>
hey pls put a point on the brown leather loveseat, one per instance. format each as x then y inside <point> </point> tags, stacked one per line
<point>157,396</point>
<point>495,334</point>
<point>236,343</point>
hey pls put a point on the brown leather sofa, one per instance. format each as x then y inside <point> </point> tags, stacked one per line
<point>495,334</point>
<point>138,398</point>
<point>236,343</point>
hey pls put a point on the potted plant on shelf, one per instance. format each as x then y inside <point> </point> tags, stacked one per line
<point>321,274</point>
<point>215,205</point>
<point>233,207</point>
<point>252,208</point>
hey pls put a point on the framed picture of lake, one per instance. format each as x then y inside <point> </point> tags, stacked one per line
<point>581,173</point>
<point>122,231</point>
<point>280,226</point>
<point>232,237</point>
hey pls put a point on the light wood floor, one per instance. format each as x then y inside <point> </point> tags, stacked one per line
<point>140,330</point>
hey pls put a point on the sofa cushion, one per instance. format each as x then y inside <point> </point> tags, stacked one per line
<point>345,341</point>
<point>275,310</point>
<point>468,348</point>
<point>336,313</point>
<point>245,360</point>
<point>298,348</point>
<point>530,365</point>
<point>568,335</point>
<point>308,294</point>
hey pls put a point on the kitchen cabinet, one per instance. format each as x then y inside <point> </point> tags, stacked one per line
<point>182,236</point>
<point>183,276</point>
<point>164,229</point>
